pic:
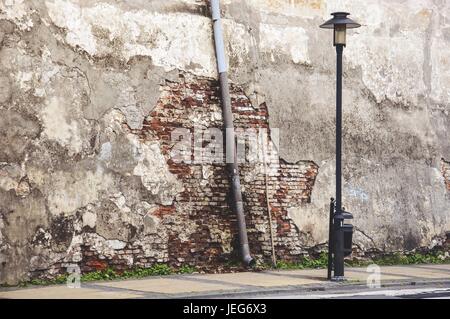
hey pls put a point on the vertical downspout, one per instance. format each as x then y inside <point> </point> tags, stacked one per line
<point>230,139</point>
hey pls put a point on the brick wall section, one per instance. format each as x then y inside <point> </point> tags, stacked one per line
<point>289,184</point>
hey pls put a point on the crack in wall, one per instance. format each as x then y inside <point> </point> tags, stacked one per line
<point>367,236</point>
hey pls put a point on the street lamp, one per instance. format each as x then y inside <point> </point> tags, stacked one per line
<point>340,23</point>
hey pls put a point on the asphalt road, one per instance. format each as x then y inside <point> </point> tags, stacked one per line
<point>383,293</point>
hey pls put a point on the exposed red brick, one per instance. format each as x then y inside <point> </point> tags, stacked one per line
<point>164,210</point>
<point>291,183</point>
<point>97,264</point>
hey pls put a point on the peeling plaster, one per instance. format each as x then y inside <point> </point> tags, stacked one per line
<point>289,41</point>
<point>139,33</point>
<point>69,192</point>
<point>154,172</point>
<point>57,127</point>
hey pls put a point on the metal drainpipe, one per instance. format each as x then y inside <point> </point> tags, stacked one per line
<point>231,155</point>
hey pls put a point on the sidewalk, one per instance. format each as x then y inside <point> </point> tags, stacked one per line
<point>217,285</point>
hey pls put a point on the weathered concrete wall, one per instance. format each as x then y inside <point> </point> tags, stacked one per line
<point>86,179</point>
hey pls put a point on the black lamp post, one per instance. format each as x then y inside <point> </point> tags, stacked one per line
<point>340,23</point>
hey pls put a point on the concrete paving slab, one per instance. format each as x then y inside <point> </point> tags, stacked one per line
<point>260,279</point>
<point>387,273</point>
<point>167,286</point>
<point>439,268</point>
<point>318,275</point>
<point>62,292</point>
<point>416,272</point>
<point>362,275</point>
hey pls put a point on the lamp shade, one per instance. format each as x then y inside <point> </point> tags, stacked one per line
<point>340,19</point>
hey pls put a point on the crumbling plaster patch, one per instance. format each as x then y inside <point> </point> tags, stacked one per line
<point>290,41</point>
<point>18,11</point>
<point>153,170</point>
<point>312,225</point>
<point>133,91</point>
<point>398,73</point>
<point>10,176</point>
<point>140,33</point>
<point>439,55</point>
<point>5,89</point>
<point>57,127</point>
<point>69,191</point>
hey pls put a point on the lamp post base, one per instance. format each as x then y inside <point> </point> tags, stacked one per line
<point>338,279</point>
